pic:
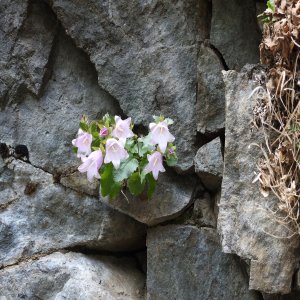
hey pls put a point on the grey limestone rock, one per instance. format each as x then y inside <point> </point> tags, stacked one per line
<point>173,194</point>
<point>47,125</point>
<point>184,262</point>
<point>49,217</point>
<point>145,53</point>
<point>209,164</point>
<point>210,97</point>
<point>203,211</point>
<point>245,224</point>
<point>73,276</point>
<point>27,31</point>
<point>78,182</point>
<point>235,32</point>
<point>12,15</point>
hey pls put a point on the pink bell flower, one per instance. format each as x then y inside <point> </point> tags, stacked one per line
<point>103,132</point>
<point>83,143</point>
<point>155,164</point>
<point>159,134</point>
<point>79,133</point>
<point>91,165</point>
<point>122,130</point>
<point>115,152</point>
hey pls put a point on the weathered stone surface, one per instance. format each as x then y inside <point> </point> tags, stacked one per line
<point>172,195</point>
<point>53,217</point>
<point>246,226</point>
<point>209,164</point>
<point>12,15</point>
<point>184,262</point>
<point>48,125</point>
<point>235,32</point>
<point>145,53</point>
<point>73,276</point>
<point>203,211</point>
<point>27,32</point>
<point>210,97</point>
<point>78,182</point>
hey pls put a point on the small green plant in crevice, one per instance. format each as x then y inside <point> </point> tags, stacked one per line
<point>267,15</point>
<point>112,152</point>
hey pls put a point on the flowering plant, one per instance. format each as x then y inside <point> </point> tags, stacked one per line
<point>110,151</point>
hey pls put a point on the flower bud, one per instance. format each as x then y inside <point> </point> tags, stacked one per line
<point>171,151</point>
<point>104,132</point>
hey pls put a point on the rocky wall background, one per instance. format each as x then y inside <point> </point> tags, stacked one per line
<point>200,237</point>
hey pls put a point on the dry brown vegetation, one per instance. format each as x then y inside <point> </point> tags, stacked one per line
<point>278,110</point>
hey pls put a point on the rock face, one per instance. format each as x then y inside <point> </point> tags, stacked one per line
<point>26,50</point>
<point>73,276</point>
<point>38,216</point>
<point>210,97</point>
<point>172,195</point>
<point>197,269</point>
<point>60,59</point>
<point>47,125</point>
<point>235,32</point>
<point>78,181</point>
<point>145,60</point>
<point>242,207</point>
<point>209,164</point>
<point>12,14</point>
<point>204,213</point>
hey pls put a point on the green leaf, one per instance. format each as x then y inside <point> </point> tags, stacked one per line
<point>84,126</point>
<point>141,149</point>
<point>131,146</point>
<point>265,17</point>
<point>169,121</point>
<point>134,149</point>
<point>106,179</point>
<point>109,187</point>
<point>135,185</point>
<point>108,120</point>
<point>94,127</point>
<point>171,161</point>
<point>115,190</point>
<point>127,167</point>
<point>271,5</point>
<point>145,145</point>
<point>95,135</point>
<point>102,148</point>
<point>94,130</point>
<point>151,185</point>
<point>96,143</point>
<point>143,176</point>
<point>107,124</point>
<point>75,149</point>
<point>143,163</point>
<point>129,143</point>
<point>156,119</point>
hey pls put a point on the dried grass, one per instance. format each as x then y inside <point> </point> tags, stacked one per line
<point>277,112</point>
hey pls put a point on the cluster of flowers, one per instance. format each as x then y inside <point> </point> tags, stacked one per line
<point>110,151</point>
